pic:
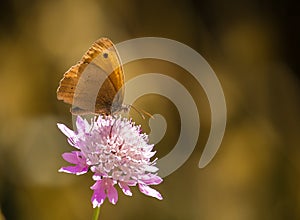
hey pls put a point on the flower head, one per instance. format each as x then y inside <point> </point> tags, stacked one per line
<point>116,151</point>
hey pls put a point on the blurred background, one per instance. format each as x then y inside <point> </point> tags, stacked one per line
<point>251,45</point>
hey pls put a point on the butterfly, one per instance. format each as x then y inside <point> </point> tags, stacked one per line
<point>96,83</point>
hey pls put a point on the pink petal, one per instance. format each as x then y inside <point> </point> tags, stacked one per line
<point>151,179</point>
<point>82,125</point>
<point>131,182</point>
<point>78,170</point>
<point>73,141</point>
<point>72,138</point>
<point>64,129</point>
<point>112,194</point>
<point>71,157</point>
<point>75,157</point>
<point>125,188</point>
<point>151,169</point>
<point>149,191</point>
<point>96,176</point>
<point>98,195</point>
<point>149,154</point>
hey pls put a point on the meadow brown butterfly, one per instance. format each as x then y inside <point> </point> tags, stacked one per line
<point>95,83</point>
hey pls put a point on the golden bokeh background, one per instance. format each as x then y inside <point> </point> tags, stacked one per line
<point>252,47</point>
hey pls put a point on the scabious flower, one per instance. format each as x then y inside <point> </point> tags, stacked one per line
<point>116,151</point>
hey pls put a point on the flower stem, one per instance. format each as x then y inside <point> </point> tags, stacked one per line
<point>96,213</point>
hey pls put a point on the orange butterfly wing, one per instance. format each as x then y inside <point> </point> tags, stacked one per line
<point>95,83</point>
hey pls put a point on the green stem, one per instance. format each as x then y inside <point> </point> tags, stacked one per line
<point>96,213</point>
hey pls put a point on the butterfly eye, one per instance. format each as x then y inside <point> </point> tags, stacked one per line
<point>105,55</point>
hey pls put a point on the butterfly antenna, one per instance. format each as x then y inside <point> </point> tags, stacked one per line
<point>148,114</point>
<point>141,112</point>
<point>138,111</point>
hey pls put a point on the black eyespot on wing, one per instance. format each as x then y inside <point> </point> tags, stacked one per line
<point>105,55</point>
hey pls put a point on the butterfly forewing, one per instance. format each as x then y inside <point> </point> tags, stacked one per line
<point>95,83</point>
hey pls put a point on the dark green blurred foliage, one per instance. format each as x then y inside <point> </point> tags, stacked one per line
<point>251,45</point>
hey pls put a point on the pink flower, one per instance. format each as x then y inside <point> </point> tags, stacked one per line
<point>116,151</point>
